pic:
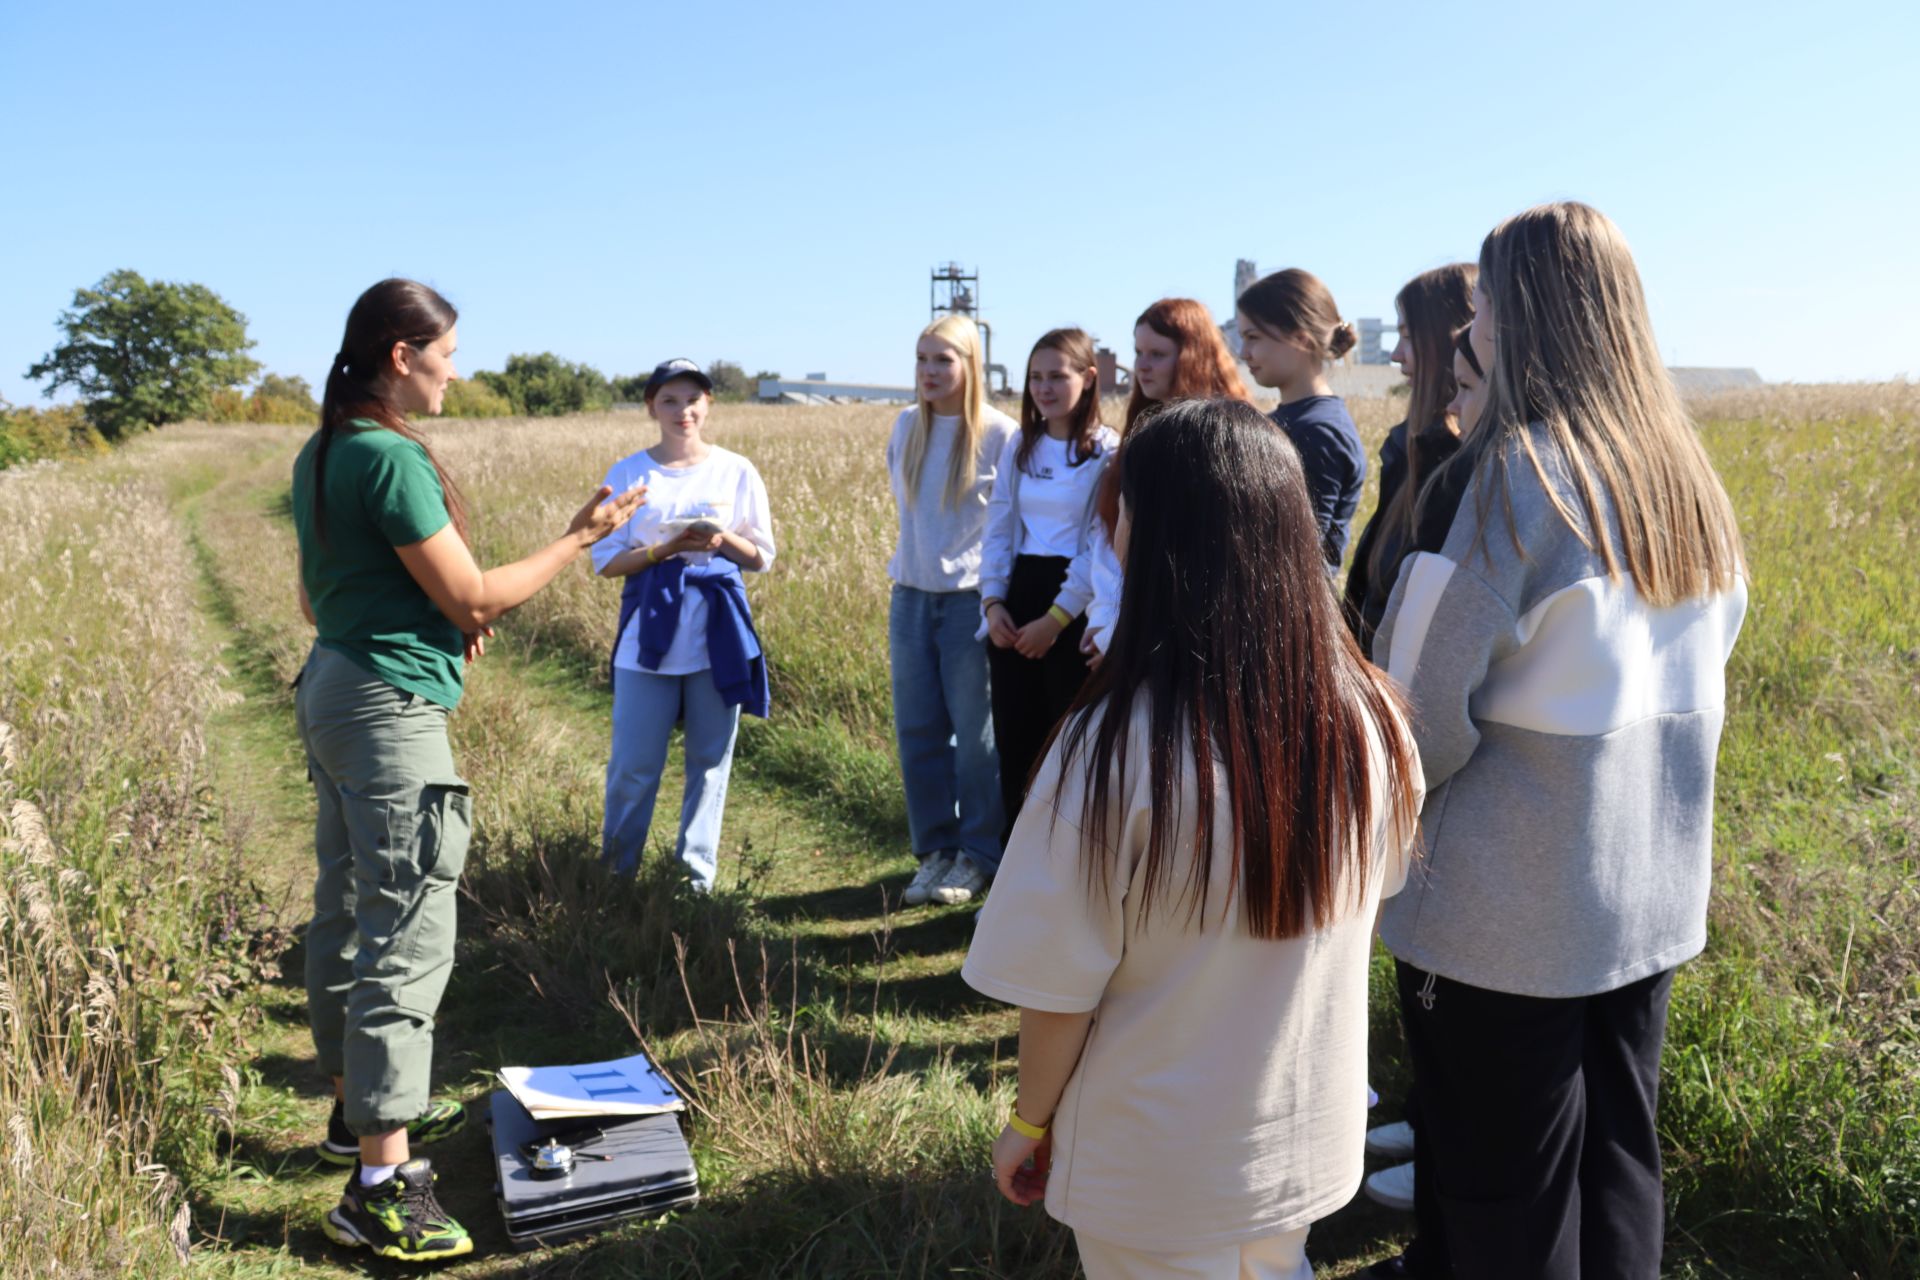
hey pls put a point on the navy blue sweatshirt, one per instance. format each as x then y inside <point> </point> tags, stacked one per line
<point>1335,463</point>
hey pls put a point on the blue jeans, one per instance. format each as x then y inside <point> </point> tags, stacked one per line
<point>942,722</point>
<point>645,708</point>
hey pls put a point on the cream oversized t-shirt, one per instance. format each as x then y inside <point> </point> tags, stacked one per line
<point>1222,1094</point>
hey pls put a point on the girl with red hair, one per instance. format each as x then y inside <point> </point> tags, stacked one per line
<point>1178,354</point>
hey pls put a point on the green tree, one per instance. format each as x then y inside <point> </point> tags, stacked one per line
<point>729,381</point>
<point>471,398</point>
<point>293,389</point>
<point>545,386</point>
<point>632,388</point>
<point>142,353</point>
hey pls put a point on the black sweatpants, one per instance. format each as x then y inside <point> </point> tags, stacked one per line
<point>1031,694</point>
<point>1536,1131</point>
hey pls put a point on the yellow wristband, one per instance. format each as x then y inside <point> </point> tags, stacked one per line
<point>1060,615</point>
<point>1025,1130</point>
<point>651,557</point>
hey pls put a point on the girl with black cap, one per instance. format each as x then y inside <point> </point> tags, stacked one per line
<point>685,650</point>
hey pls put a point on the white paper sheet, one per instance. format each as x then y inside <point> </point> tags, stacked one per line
<point>624,1087</point>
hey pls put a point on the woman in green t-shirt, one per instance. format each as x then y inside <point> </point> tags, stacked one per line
<point>400,606</point>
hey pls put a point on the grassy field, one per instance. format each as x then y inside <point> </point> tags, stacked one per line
<point>159,1093</point>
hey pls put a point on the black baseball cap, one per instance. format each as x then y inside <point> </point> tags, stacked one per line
<point>667,370</point>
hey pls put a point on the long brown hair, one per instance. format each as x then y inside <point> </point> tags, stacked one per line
<point>390,312</point>
<point>1077,347</point>
<point>1294,303</point>
<point>1230,634</point>
<point>1203,370</point>
<point>1574,358</point>
<point>1436,306</point>
<point>963,335</point>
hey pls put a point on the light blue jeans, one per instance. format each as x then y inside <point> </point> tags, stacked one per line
<point>645,707</point>
<point>943,724</point>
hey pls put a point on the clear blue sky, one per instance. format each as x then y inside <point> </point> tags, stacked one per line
<point>771,183</point>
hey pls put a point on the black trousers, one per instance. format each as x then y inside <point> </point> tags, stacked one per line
<point>1031,694</point>
<point>1535,1141</point>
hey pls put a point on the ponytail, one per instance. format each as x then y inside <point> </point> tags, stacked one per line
<point>389,312</point>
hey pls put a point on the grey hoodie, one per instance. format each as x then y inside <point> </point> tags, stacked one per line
<point>1568,731</point>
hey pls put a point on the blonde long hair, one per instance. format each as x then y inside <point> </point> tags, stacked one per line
<point>960,333</point>
<point>1574,354</point>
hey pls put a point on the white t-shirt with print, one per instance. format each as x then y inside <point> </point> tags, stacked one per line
<point>725,488</point>
<point>1054,497</point>
<point>1221,1096</point>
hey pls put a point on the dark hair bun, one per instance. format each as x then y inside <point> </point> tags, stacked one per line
<point>1343,339</point>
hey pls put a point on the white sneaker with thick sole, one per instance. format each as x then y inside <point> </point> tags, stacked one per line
<point>962,883</point>
<point>1392,1187</point>
<point>933,869</point>
<point>1391,1141</point>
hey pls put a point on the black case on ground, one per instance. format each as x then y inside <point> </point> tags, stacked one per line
<point>651,1173</point>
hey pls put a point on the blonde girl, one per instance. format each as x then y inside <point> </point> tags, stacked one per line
<point>1565,653</point>
<point>941,461</point>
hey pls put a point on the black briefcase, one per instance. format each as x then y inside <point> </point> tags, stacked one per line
<point>625,1167</point>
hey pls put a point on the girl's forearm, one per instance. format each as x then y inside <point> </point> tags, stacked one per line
<point>1050,1045</point>
<point>630,561</point>
<point>740,551</point>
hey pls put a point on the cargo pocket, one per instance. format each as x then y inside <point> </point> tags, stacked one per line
<point>442,824</point>
<point>427,838</point>
<point>446,828</point>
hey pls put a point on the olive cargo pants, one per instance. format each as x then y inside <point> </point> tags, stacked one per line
<point>390,840</point>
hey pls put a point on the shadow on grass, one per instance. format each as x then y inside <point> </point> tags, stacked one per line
<point>837,902</point>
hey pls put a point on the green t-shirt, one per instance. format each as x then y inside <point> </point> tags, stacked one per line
<point>381,493</point>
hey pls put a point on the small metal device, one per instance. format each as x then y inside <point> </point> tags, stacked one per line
<point>553,1159</point>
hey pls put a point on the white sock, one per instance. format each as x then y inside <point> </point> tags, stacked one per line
<point>372,1175</point>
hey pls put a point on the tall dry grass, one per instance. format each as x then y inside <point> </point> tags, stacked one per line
<point>124,925</point>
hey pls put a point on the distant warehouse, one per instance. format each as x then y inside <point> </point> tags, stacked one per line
<point>1700,382</point>
<point>815,389</point>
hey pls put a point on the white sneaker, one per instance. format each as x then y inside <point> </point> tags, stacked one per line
<point>1392,1187</point>
<point>1391,1141</point>
<point>933,869</point>
<point>962,881</point>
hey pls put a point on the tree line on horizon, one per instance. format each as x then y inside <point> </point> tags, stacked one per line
<point>143,353</point>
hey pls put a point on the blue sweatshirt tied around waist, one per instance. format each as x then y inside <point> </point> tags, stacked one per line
<point>733,647</point>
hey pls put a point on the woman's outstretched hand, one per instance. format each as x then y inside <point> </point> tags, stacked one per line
<point>601,517</point>
<point>1020,1165</point>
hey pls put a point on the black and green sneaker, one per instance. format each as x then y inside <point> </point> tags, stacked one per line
<point>399,1219</point>
<point>442,1120</point>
